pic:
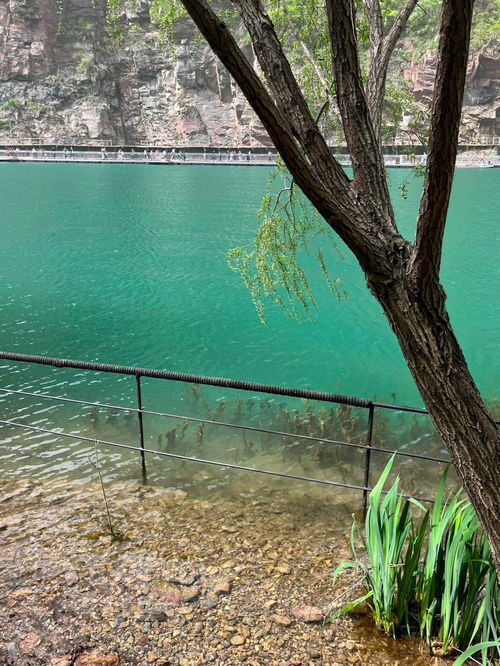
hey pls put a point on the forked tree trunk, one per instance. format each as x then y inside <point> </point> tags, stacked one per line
<point>440,371</point>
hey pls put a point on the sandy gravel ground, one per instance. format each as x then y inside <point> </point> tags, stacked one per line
<point>190,581</point>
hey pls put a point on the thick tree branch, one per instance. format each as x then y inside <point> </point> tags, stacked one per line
<point>381,49</point>
<point>225,47</point>
<point>375,23</point>
<point>397,28</point>
<point>445,121</point>
<point>288,94</point>
<point>366,156</point>
<point>375,87</point>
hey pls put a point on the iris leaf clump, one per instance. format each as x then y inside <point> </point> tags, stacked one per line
<point>433,575</point>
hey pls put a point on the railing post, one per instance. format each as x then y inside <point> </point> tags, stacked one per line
<point>369,437</point>
<point>141,429</point>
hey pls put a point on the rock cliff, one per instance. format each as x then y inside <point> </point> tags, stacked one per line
<point>62,80</point>
<point>481,111</point>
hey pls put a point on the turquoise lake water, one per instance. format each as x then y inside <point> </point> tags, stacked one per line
<point>127,264</point>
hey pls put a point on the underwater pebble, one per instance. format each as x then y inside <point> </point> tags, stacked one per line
<point>308,613</point>
<point>124,603</point>
<point>223,587</point>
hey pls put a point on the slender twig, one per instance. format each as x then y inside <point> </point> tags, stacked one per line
<point>96,465</point>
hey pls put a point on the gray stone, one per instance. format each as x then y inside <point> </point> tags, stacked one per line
<point>152,613</point>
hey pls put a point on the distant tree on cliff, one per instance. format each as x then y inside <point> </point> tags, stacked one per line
<point>402,276</point>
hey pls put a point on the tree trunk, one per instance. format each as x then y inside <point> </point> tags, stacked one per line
<point>440,371</point>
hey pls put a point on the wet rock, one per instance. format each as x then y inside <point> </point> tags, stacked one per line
<point>152,613</point>
<point>190,594</point>
<point>30,642</point>
<point>308,613</point>
<point>71,578</point>
<point>12,648</point>
<point>96,659</point>
<point>314,655</point>
<point>270,604</point>
<point>67,660</point>
<point>229,529</point>
<point>282,620</point>
<point>209,602</point>
<point>223,587</point>
<point>187,579</point>
<point>170,593</point>
<point>238,640</point>
<point>228,564</point>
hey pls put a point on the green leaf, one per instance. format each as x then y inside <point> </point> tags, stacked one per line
<point>472,650</point>
<point>348,607</point>
<point>342,567</point>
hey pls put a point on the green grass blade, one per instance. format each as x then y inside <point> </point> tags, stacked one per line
<point>348,607</point>
<point>342,567</point>
<point>472,650</point>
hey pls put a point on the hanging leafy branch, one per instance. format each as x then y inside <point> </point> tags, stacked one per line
<point>270,268</point>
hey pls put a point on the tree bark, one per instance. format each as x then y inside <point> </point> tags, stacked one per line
<point>445,123</point>
<point>364,148</point>
<point>381,49</point>
<point>440,371</point>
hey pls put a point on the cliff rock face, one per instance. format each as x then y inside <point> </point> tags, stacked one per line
<point>62,80</point>
<point>481,112</point>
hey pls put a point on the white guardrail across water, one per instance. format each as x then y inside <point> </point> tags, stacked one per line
<point>211,156</point>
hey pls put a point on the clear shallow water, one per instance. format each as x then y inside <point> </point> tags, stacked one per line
<point>127,265</point>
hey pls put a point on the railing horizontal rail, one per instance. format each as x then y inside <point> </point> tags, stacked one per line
<point>198,460</point>
<point>202,379</point>
<point>239,426</point>
<point>210,381</point>
<point>400,408</point>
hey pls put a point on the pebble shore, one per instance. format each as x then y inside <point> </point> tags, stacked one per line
<point>246,580</point>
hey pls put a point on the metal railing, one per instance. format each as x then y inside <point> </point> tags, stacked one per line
<point>142,156</point>
<point>209,157</point>
<point>139,410</point>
